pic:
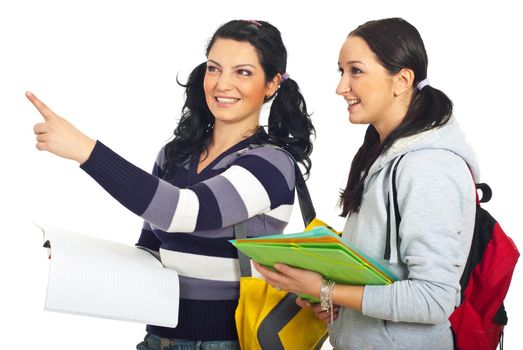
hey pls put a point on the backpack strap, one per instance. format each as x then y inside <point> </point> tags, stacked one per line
<point>304,199</point>
<point>393,221</point>
<point>486,195</point>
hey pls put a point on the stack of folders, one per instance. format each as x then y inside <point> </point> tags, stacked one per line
<point>318,250</point>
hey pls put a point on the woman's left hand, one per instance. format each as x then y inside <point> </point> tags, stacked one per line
<point>291,279</point>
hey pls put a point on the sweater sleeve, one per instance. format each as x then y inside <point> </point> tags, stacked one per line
<point>256,182</point>
<point>437,207</point>
<point>148,239</point>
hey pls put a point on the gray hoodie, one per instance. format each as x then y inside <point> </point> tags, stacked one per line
<point>436,199</point>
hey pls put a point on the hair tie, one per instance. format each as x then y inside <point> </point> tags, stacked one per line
<point>284,77</point>
<point>422,84</point>
<point>256,23</point>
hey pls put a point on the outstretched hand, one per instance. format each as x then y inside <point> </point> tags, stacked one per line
<point>58,136</point>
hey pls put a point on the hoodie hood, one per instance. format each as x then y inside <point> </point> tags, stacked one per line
<point>447,137</point>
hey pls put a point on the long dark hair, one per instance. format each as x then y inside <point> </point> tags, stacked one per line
<point>397,44</point>
<point>289,126</point>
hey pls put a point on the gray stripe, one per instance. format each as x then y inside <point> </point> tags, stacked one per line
<point>273,226</point>
<point>232,207</point>
<point>259,225</point>
<point>161,210</point>
<point>224,232</point>
<point>225,161</point>
<point>200,289</point>
<point>147,226</point>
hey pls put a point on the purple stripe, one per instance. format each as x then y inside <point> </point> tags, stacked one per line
<point>279,159</point>
<point>127,183</point>
<point>271,178</point>
<point>161,210</point>
<point>148,240</point>
<point>209,213</point>
<point>200,289</point>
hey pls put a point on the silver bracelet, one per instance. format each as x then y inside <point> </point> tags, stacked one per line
<point>326,297</point>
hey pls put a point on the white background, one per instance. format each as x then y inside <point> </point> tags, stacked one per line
<point>111,66</point>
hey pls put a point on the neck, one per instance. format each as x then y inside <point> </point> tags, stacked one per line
<point>394,119</point>
<point>225,136</point>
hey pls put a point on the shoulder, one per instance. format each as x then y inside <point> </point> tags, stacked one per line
<point>268,153</point>
<point>432,161</point>
<point>437,169</point>
<point>160,158</point>
<point>266,161</point>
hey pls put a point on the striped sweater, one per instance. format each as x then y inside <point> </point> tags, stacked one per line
<point>188,220</point>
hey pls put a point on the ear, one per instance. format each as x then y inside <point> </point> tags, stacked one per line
<point>403,81</point>
<point>272,86</point>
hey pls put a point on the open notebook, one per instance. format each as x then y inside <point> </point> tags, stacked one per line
<point>318,250</point>
<point>95,277</point>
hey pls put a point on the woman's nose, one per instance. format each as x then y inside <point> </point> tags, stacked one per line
<point>343,86</point>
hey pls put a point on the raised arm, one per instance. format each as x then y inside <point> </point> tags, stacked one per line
<point>255,183</point>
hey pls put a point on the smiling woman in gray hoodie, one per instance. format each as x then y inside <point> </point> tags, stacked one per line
<point>383,66</point>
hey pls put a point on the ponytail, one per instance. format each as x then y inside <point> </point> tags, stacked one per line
<point>290,126</point>
<point>430,108</point>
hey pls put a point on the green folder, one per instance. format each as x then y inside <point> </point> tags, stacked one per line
<point>318,250</point>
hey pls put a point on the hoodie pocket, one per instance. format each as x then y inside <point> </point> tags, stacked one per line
<point>387,332</point>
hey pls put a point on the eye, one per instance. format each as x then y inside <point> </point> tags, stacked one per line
<point>244,72</point>
<point>355,70</point>
<point>211,68</point>
<point>340,70</point>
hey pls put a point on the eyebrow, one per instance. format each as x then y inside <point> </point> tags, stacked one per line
<point>352,62</point>
<point>235,67</point>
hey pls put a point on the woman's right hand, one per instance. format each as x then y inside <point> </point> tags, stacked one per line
<point>325,316</point>
<point>58,136</point>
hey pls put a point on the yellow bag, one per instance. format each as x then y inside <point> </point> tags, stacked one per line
<point>269,319</point>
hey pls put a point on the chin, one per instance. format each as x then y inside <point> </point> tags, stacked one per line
<point>356,120</point>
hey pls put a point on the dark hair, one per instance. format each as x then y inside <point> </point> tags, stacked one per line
<point>397,44</point>
<point>289,126</point>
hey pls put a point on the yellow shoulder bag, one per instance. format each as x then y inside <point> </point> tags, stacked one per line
<point>269,319</point>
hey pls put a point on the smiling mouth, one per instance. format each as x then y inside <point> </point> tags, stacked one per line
<point>226,100</point>
<point>353,102</point>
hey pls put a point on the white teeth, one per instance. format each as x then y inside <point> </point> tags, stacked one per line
<point>353,102</point>
<point>226,99</point>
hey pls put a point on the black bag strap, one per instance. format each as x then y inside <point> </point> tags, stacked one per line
<point>308,212</point>
<point>397,215</point>
<point>486,195</point>
<point>304,199</point>
<point>244,261</point>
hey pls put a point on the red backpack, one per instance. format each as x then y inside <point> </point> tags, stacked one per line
<point>478,322</point>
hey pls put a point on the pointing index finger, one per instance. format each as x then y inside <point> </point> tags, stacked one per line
<point>45,111</point>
